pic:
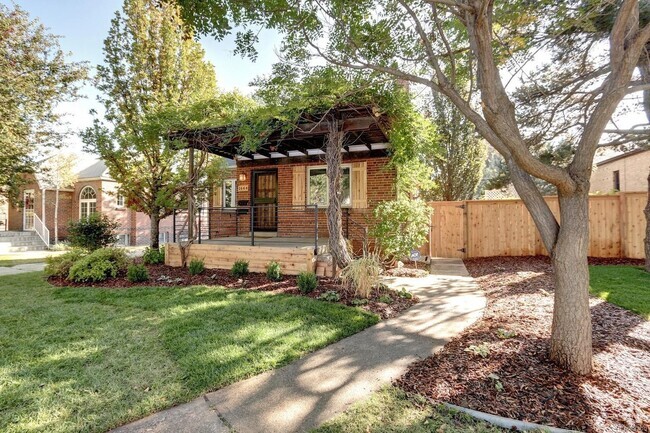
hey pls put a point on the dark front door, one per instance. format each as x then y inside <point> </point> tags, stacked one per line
<point>265,200</point>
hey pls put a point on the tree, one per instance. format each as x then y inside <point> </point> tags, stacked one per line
<point>59,172</point>
<point>429,43</point>
<point>151,65</point>
<point>35,76</point>
<point>460,158</point>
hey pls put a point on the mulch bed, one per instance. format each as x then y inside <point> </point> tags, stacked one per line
<point>167,276</point>
<point>616,398</point>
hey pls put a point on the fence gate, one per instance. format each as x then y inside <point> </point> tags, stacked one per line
<point>447,238</point>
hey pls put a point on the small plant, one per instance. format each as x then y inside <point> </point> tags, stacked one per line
<point>92,233</point>
<point>358,302</point>
<point>307,282</point>
<point>137,273</point>
<point>385,299</point>
<point>99,265</point>
<point>482,350</point>
<point>273,271</point>
<point>496,380</point>
<point>403,293</point>
<point>59,266</point>
<point>239,269</point>
<point>61,246</point>
<point>330,296</point>
<point>504,334</point>
<point>153,256</point>
<point>362,274</point>
<point>196,266</point>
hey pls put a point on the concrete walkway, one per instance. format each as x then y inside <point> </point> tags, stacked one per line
<point>321,385</point>
<point>21,269</point>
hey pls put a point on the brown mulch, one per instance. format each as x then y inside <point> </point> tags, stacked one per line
<point>519,290</point>
<point>168,276</point>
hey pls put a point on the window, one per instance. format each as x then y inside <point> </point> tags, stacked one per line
<point>617,180</point>
<point>230,193</point>
<point>119,200</point>
<point>317,186</point>
<point>124,240</point>
<point>87,202</point>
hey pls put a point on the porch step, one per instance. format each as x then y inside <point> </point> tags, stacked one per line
<point>20,241</point>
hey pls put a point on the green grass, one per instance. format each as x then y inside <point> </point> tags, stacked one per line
<point>14,262</point>
<point>83,359</point>
<point>391,411</point>
<point>625,286</point>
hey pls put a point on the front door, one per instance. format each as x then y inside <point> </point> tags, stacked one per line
<point>265,200</point>
<point>28,209</point>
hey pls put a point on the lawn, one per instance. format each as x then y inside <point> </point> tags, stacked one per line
<point>14,262</point>
<point>390,410</point>
<point>82,359</point>
<point>625,286</point>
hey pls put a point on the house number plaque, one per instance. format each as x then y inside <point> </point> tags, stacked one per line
<point>242,188</point>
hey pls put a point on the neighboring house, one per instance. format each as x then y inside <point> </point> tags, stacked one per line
<point>626,172</point>
<point>93,192</point>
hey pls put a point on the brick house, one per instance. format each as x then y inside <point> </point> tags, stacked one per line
<point>627,172</point>
<point>94,191</point>
<point>274,204</point>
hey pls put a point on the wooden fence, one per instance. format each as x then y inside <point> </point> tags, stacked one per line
<point>484,228</point>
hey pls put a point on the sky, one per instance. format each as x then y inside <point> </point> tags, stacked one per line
<point>83,25</point>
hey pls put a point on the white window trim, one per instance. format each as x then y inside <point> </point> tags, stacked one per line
<point>320,167</point>
<point>117,201</point>
<point>87,200</point>
<point>233,203</point>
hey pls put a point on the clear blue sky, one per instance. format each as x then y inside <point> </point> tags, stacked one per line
<point>83,25</point>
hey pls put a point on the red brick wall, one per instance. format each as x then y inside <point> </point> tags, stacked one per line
<point>380,187</point>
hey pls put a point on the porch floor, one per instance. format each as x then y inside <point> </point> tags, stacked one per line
<point>272,241</point>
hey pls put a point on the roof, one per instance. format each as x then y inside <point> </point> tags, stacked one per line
<point>97,170</point>
<point>622,156</point>
<point>364,128</point>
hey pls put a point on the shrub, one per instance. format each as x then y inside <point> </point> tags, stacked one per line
<point>137,273</point>
<point>330,296</point>
<point>99,265</point>
<point>59,266</point>
<point>307,282</point>
<point>362,274</point>
<point>401,226</point>
<point>153,256</point>
<point>273,271</point>
<point>239,268</point>
<point>96,231</point>
<point>196,266</point>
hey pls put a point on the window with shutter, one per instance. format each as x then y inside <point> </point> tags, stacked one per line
<point>299,185</point>
<point>359,185</point>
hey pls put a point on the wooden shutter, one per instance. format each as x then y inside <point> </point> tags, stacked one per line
<point>359,185</point>
<point>217,195</point>
<point>299,185</point>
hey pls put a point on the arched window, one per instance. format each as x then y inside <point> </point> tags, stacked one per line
<point>87,202</point>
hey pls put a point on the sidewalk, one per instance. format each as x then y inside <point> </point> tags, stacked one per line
<point>313,389</point>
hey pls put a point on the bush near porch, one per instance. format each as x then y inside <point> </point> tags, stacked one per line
<point>90,359</point>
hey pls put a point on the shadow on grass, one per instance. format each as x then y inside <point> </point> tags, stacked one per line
<point>75,359</point>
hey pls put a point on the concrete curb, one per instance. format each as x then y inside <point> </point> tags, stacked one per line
<point>507,423</point>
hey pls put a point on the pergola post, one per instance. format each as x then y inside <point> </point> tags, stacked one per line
<point>190,197</point>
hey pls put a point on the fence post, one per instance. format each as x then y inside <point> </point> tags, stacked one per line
<point>622,217</point>
<point>466,227</point>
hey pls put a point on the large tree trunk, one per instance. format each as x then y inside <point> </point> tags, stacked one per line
<point>337,244</point>
<point>647,229</point>
<point>155,228</point>
<point>56,216</point>
<point>571,329</point>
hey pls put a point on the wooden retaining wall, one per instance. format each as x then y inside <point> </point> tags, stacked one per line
<point>292,260</point>
<point>484,228</point>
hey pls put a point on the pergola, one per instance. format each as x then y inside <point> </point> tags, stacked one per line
<point>364,129</point>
